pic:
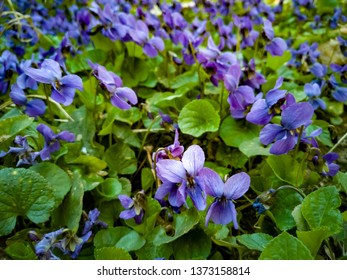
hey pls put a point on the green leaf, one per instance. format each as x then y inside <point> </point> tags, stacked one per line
<point>183,223</point>
<point>326,6</point>
<point>69,213</point>
<point>235,132</point>
<point>151,252</point>
<point>253,147</point>
<point>80,61</point>
<point>254,241</point>
<point>121,159</point>
<point>10,127</point>
<point>23,193</point>
<point>283,206</point>
<point>123,132</point>
<point>198,117</point>
<point>20,250</point>
<point>193,245</point>
<point>320,211</point>
<point>57,177</point>
<point>188,79</point>
<point>342,179</point>
<point>299,219</point>
<point>275,62</point>
<point>287,169</point>
<point>120,237</point>
<point>285,247</point>
<point>111,253</point>
<point>110,189</point>
<point>94,164</point>
<point>313,239</point>
<point>147,178</point>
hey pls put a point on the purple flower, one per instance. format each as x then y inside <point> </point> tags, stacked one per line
<point>313,91</point>
<point>92,221</point>
<point>120,96</point>
<point>240,97</point>
<point>343,45</point>
<point>52,140</point>
<point>263,110</point>
<point>173,151</point>
<point>276,46</point>
<point>251,77</point>
<point>135,206</point>
<point>286,134</point>
<point>182,178</point>
<point>140,35</point>
<point>342,70</point>
<point>319,70</point>
<point>222,210</point>
<point>330,168</point>
<point>24,152</point>
<point>43,249</point>
<point>63,88</point>
<point>33,108</point>
<point>339,92</point>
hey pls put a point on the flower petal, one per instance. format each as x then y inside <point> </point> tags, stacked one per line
<point>269,133</point>
<point>297,115</point>
<point>171,170</point>
<point>40,75</point>
<point>213,184</point>
<point>237,185</point>
<point>127,214</point>
<point>72,81</point>
<point>198,196</point>
<point>283,146</point>
<point>126,201</point>
<point>193,160</point>
<point>35,107</point>
<point>127,93</point>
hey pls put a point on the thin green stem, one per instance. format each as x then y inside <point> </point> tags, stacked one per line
<point>145,137</point>
<point>48,103</point>
<point>338,143</point>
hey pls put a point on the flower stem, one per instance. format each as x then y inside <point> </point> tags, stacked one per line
<point>338,143</point>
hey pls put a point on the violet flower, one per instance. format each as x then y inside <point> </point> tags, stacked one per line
<point>24,152</point>
<point>276,45</point>
<point>63,88</point>
<point>134,206</point>
<point>140,35</point>
<point>240,97</point>
<point>187,174</point>
<point>120,96</point>
<point>52,140</point>
<point>342,70</point>
<point>93,220</point>
<point>330,168</point>
<point>339,92</point>
<point>286,134</point>
<point>263,110</point>
<point>222,210</point>
<point>43,249</point>
<point>33,108</point>
<point>313,91</point>
<point>173,151</point>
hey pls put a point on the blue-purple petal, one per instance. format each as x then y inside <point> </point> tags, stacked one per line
<point>171,170</point>
<point>237,185</point>
<point>297,115</point>
<point>269,133</point>
<point>193,160</point>
<point>212,182</point>
<point>35,107</point>
<point>283,146</point>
